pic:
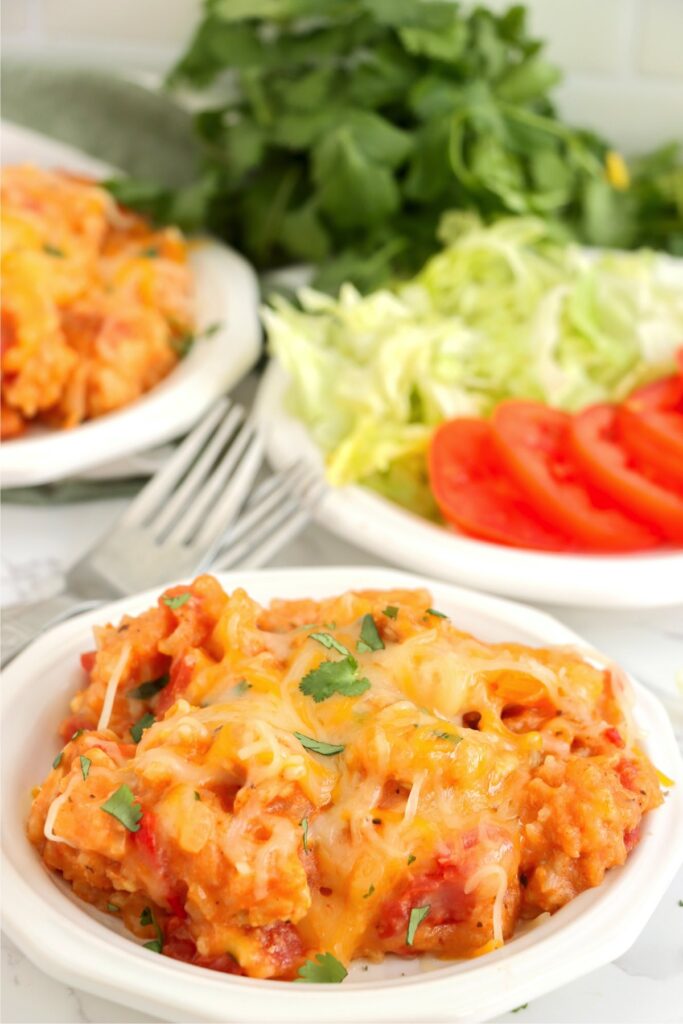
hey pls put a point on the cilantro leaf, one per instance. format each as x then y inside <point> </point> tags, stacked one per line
<point>143,723</point>
<point>369,893</point>
<point>241,687</point>
<point>176,600</point>
<point>146,918</point>
<point>451,736</point>
<point>122,805</point>
<point>58,760</point>
<point>53,250</point>
<point>370,640</point>
<point>151,252</point>
<point>319,746</point>
<point>85,766</point>
<point>304,826</point>
<point>328,641</point>
<point>333,677</point>
<point>154,945</point>
<point>324,969</point>
<point>411,858</point>
<point>391,611</point>
<point>438,615</point>
<point>113,908</point>
<point>75,735</point>
<point>417,916</point>
<point>149,689</point>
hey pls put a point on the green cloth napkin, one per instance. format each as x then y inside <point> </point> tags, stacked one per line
<point>122,123</point>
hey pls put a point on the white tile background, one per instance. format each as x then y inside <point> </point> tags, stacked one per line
<point>623,59</point>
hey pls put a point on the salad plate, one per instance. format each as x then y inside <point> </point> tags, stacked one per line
<point>83,947</point>
<point>226,294</point>
<point>364,518</point>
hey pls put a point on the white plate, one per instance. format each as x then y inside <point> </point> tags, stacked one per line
<point>81,947</point>
<point>388,531</point>
<point>226,292</point>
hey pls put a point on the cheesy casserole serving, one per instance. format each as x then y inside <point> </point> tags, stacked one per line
<point>276,791</point>
<point>96,304</point>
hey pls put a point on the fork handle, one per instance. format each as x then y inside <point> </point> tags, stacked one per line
<point>22,623</point>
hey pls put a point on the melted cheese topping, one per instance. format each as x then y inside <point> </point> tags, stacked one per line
<point>467,772</point>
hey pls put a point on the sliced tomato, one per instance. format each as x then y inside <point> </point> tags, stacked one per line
<point>664,395</point>
<point>475,494</point>
<point>654,443</point>
<point>595,446</point>
<point>533,443</point>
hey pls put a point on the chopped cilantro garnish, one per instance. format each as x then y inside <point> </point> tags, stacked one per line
<point>680,903</point>
<point>79,732</point>
<point>334,677</point>
<point>146,918</point>
<point>149,689</point>
<point>196,795</point>
<point>152,252</point>
<point>450,736</point>
<point>318,746</point>
<point>324,969</point>
<point>391,611</point>
<point>212,329</point>
<point>439,615</point>
<point>411,858</point>
<point>113,908</point>
<point>304,826</point>
<point>85,766</point>
<point>58,760</point>
<point>417,916</point>
<point>123,806</point>
<point>241,687</point>
<point>143,723</point>
<point>53,250</point>
<point>370,640</point>
<point>327,640</point>
<point>176,600</point>
<point>518,1008</point>
<point>369,892</point>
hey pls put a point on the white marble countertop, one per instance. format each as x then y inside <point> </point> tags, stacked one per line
<point>644,985</point>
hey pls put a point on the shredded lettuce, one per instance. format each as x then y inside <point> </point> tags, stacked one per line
<point>502,311</point>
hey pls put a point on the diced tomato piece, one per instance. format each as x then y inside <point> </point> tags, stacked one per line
<point>613,735</point>
<point>88,661</point>
<point>477,496</point>
<point>631,838</point>
<point>283,945</point>
<point>533,442</point>
<point>180,677</point>
<point>145,838</point>
<point>443,889</point>
<point>605,463</point>
<point>627,770</point>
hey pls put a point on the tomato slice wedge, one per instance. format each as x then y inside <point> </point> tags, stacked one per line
<point>663,395</point>
<point>533,442</point>
<point>654,443</point>
<point>605,463</point>
<point>476,495</point>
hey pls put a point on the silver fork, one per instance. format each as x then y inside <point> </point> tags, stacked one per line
<point>278,510</point>
<point>172,528</point>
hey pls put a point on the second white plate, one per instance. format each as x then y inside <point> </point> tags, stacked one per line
<point>387,531</point>
<point>226,293</point>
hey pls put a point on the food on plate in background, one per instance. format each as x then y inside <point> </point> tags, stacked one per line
<point>537,477</point>
<point>277,791</point>
<point>96,303</point>
<point>502,312</point>
<point>337,134</point>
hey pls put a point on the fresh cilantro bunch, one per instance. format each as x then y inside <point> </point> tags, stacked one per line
<point>337,133</point>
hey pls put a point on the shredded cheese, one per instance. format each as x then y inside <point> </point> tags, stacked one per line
<point>53,811</point>
<point>112,686</point>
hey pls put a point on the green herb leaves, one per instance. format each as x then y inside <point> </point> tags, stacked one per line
<point>53,250</point>
<point>122,806</point>
<point>434,612</point>
<point>318,746</point>
<point>58,760</point>
<point>417,916</point>
<point>451,737</point>
<point>324,969</point>
<point>391,611</point>
<point>176,600</point>
<point>85,766</point>
<point>370,640</point>
<point>143,723</point>
<point>328,641</point>
<point>304,826</point>
<point>334,677</point>
<point>149,689</point>
<point>147,918</point>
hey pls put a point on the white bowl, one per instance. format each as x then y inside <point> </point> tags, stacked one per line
<point>81,947</point>
<point>226,293</point>
<point>364,518</point>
